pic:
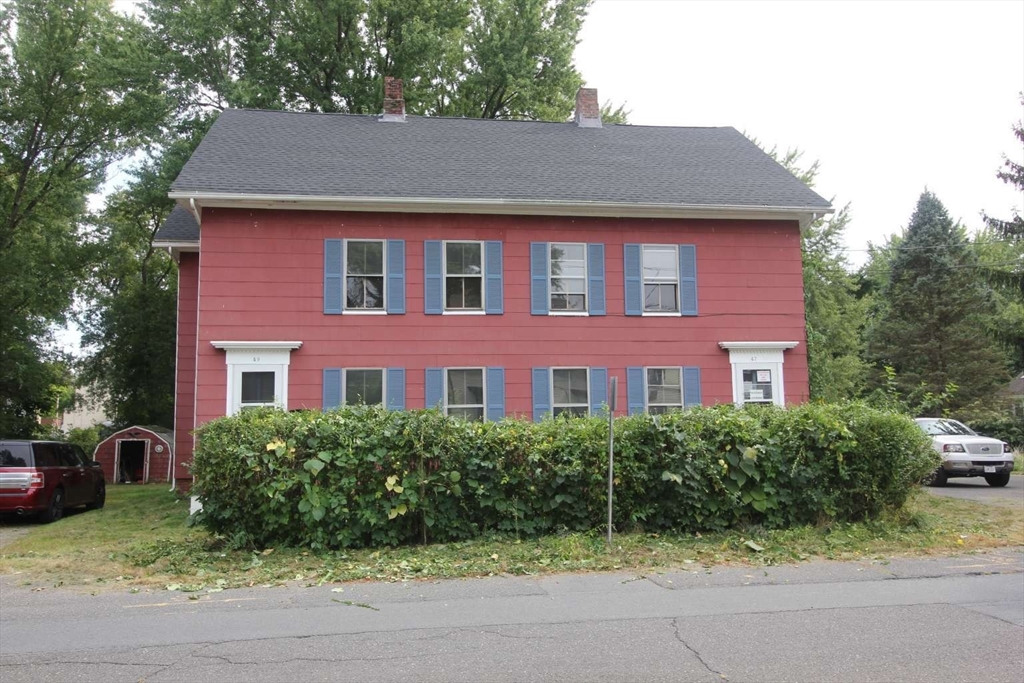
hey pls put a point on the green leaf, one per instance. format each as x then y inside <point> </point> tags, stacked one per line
<point>313,465</point>
<point>760,505</point>
<point>305,505</point>
<point>455,476</point>
<point>671,476</point>
<point>456,489</point>
<point>748,467</point>
<point>754,546</point>
<point>319,512</point>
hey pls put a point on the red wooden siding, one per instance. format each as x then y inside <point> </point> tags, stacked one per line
<point>185,367</point>
<point>262,279</point>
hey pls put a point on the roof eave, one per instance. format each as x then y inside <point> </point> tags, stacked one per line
<point>199,200</point>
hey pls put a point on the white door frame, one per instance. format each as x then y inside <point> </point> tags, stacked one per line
<point>763,355</point>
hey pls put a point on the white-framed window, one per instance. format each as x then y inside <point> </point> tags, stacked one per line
<point>664,390</point>
<point>567,275</point>
<point>363,386</point>
<point>365,276</point>
<point>259,387</point>
<point>757,371</point>
<point>570,391</point>
<point>660,272</point>
<point>257,373</point>
<point>758,384</point>
<point>463,276</point>
<point>464,393</point>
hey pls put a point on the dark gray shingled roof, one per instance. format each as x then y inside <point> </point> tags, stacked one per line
<point>180,226</point>
<point>344,155</point>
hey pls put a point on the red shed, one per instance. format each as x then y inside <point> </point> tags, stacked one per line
<point>136,455</point>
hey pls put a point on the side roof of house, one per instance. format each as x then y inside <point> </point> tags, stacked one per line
<point>256,153</point>
<point>180,226</point>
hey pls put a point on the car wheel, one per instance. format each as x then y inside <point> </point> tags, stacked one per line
<point>937,478</point>
<point>100,499</point>
<point>1000,479</point>
<point>55,510</point>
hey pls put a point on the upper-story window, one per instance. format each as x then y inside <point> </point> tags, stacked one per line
<point>661,278</point>
<point>463,276</point>
<point>364,275</point>
<point>568,276</point>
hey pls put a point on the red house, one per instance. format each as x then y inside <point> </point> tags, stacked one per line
<point>492,268</point>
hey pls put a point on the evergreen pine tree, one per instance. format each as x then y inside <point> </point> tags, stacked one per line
<point>931,328</point>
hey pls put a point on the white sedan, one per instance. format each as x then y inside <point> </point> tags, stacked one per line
<point>965,453</point>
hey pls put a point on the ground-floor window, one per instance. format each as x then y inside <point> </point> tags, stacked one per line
<point>570,391</point>
<point>664,390</point>
<point>464,393</point>
<point>364,386</point>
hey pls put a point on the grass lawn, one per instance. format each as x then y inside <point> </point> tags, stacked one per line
<point>139,540</point>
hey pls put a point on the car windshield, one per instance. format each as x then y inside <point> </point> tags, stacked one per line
<point>945,428</point>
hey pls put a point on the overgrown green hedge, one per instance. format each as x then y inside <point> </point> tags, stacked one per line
<point>365,476</point>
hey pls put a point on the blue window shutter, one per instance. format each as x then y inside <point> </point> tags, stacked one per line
<point>598,390</point>
<point>434,388</point>
<point>691,387</point>
<point>396,276</point>
<point>493,269</point>
<point>687,279</point>
<point>495,394</point>
<point>395,383</point>
<point>332,388</point>
<point>595,276</point>
<point>541,393</point>
<point>433,285</point>
<point>633,279</point>
<point>539,300</point>
<point>334,288</point>
<point>636,392</point>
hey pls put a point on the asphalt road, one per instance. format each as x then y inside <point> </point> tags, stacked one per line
<point>939,619</point>
<point>977,489</point>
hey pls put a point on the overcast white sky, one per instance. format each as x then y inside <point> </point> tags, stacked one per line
<point>890,97</point>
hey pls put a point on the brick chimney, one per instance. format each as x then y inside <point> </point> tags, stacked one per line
<point>394,105</point>
<point>588,111</point>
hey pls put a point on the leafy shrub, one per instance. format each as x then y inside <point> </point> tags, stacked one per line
<point>362,476</point>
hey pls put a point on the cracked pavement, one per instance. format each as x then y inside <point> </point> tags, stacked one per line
<point>950,619</point>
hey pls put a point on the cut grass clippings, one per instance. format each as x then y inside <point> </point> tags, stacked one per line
<point>140,541</point>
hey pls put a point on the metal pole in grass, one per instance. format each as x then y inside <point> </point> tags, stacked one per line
<point>613,394</point>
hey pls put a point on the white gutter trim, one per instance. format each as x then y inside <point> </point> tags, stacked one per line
<point>177,244</point>
<point>195,212</point>
<point>499,206</point>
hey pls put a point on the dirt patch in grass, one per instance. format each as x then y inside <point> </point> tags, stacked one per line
<point>140,540</point>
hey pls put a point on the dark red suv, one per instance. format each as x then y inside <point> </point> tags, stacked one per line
<point>45,477</point>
